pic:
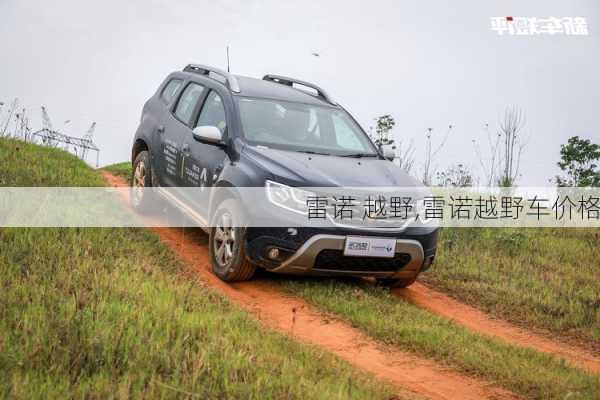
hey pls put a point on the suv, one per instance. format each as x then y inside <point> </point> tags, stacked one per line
<point>207,128</point>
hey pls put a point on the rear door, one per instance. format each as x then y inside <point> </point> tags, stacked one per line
<point>176,125</point>
<point>162,156</point>
<point>204,162</point>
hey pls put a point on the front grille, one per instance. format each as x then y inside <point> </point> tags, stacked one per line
<point>334,260</point>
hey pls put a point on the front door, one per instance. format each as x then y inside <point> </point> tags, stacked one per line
<point>177,125</point>
<point>204,162</point>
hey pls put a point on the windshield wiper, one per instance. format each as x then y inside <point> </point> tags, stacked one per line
<point>313,152</point>
<point>359,155</point>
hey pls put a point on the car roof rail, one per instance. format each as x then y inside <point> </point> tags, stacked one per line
<point>231,80</point>
<point>284,80</point>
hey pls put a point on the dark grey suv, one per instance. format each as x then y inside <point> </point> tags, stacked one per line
<point>206,128</point>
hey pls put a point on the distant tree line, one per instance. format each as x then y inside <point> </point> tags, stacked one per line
<point>499,155</point>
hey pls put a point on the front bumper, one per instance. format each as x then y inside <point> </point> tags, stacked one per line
<point>409,254</point>
<point>320,252</point>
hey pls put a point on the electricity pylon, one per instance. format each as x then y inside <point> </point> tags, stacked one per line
<point>89,138</point>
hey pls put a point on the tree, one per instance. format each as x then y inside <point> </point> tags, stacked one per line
<point>13,108</point>
<point>510,130</point>
<point>455,176</point>
<point>579,159</point>
<point>383,127</point>
<point>431,154</point>
<point>406,156</point>
<point>489,166</point>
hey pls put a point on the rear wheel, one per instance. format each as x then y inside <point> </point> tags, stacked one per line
<point>142,199</point>
<point>227,244</point>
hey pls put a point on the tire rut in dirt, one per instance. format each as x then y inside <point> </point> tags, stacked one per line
<point>296,318</point>
<point>477,321</point>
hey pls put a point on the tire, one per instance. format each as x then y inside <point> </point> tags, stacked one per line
<point>142,201</point>
<point>227,244</point>
<point>398,283</point>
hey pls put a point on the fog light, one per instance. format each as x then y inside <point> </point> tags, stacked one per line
<point>273,254</point>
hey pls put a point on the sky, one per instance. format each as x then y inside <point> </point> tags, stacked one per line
<point>427,63</point>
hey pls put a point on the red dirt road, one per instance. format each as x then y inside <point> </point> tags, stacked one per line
<point>444,306</point>
<point>303,322</point>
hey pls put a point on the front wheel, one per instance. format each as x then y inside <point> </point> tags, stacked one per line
<point>227,244</point>
<point>399,282</point>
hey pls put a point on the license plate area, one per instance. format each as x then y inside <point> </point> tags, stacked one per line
<point>362,246</point>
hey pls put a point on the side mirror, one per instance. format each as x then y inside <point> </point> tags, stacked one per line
<point>208,134</point>
<point>389,152</point>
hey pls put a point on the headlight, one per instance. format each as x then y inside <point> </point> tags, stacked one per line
<point>288,197</point>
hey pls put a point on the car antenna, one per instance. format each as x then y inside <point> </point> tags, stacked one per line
<point>227,48</point>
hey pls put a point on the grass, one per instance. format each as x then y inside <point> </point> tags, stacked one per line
<point>98,313</point>
<point>544,278</point>
<point>547,278</point>
<point>29,165</point>
<point>394,321</point>
<point>121,169</point>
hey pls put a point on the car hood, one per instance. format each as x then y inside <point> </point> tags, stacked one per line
<point>314,170</point>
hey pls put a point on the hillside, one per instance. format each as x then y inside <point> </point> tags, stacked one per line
<point>546,278</point>
<point>520,275</point>
<point>108,312</point>
<point>137,312</point>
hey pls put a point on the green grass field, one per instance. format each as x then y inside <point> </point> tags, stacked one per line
<point>542,278</point>
<point>547,278</point>
<point>103,313</point>
<point>375,311</point>
<point>121,169</point>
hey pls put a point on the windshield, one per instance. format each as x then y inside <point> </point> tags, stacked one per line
<point>302,127</point>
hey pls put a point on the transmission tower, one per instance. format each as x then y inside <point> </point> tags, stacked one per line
<point>46,122</point>
<point>47,126</point>
<point>88,138</point>
<point>19,123</point>
<point>52,138</point>
<point>24,128</point>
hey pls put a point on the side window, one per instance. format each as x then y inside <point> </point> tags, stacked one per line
<point>213,112</point>
<point>188,102</point>
<point>170,90</point>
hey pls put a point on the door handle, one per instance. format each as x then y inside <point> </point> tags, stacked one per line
<point>161,130</point>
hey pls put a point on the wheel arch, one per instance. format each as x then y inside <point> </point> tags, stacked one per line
<point>138,146</point>
<point>224,190</point>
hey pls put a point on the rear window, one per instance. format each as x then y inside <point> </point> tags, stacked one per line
<point>170,90</point>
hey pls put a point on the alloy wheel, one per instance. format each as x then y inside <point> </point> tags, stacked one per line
<point>224,240</point>
<point>139,178</point>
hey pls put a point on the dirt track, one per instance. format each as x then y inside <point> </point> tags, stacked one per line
<point>444,306</point>
<point>301,321</point>
<point>298,319</point>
